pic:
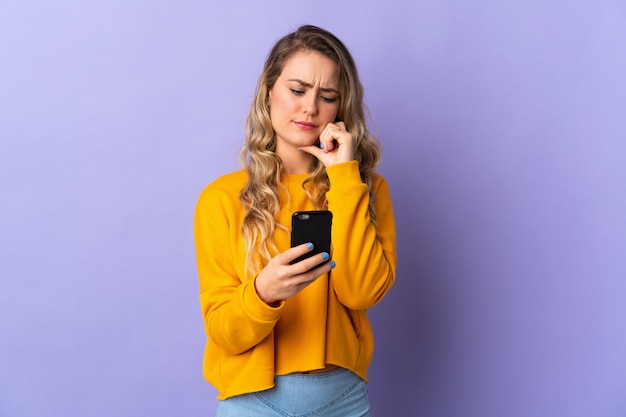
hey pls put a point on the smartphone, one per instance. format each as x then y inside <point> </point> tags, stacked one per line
<point>314,227</point>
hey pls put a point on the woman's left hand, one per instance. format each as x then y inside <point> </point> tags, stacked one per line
<point>336,145</point>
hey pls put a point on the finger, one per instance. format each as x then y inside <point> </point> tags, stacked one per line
<point>310,263</point>
<point>327,139</point>
<point>335,133</point>
<point>313,274</point>
<point>292,253</point>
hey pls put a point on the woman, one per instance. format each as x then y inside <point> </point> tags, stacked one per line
<point>287,339</point>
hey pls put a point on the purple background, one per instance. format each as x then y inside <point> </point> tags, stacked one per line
<point>504,131</point>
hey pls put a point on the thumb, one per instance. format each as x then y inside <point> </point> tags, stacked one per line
<point>313,150</point>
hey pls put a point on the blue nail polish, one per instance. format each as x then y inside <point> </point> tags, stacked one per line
<point>333,264</point>
<point>325,256</point>
<point>321,145</point>
<point>309,246</point>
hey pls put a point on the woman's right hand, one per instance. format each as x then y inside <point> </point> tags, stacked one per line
<point>280,280</point>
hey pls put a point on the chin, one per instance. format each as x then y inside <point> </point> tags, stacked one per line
<point>308,140</point>
<point>301,139</point>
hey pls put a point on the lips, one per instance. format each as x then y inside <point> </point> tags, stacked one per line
<point>305,125</point>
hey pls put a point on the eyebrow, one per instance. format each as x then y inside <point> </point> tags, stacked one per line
<point>305,84</point>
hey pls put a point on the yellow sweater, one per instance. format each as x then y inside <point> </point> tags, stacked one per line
<point>249,342</point>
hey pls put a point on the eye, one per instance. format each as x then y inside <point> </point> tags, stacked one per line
<point>297,92</point>
<point>329,99</point>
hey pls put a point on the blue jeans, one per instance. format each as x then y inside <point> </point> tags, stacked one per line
<point>339,393</point>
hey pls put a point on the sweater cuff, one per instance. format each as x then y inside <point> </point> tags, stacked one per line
<point>257,308</point>
<point>344,174</point>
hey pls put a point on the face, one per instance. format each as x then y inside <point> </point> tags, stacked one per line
<point>304,99</point>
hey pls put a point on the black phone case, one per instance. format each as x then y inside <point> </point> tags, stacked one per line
<point>314,227</point>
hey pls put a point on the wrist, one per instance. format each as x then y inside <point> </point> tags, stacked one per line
<point>265,299</point>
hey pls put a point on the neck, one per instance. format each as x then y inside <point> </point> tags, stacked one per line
<point>295,161</point>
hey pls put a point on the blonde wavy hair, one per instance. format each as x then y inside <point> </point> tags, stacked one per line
<point>260,196</point>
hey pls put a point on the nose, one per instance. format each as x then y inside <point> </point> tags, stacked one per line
<point>310,105</point>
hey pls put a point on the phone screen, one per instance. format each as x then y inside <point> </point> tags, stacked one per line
<point>311,226</point>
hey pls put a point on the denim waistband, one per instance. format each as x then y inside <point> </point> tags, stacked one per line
<point>339,393</point>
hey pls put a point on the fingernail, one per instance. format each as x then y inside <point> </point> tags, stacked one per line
<point>332,264</point>
<point>321,145</point>
<point>309,246</point>
<point>299,149</point>
<point>325,256</point>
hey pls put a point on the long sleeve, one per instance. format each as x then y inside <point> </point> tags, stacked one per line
<point>365,252</point>
<point>235,318</point>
